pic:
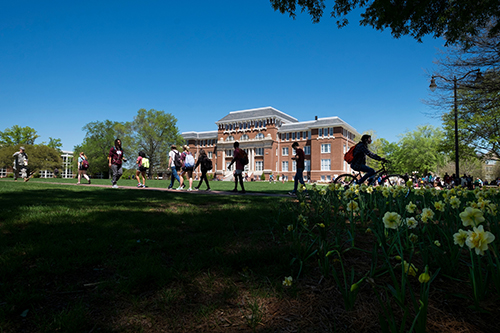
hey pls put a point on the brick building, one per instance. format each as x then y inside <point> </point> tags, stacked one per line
<point>267,134</point>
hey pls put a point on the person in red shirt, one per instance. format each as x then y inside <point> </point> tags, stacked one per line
<point>238,173</point>
<point>115,159</point>
<point>299,158</point>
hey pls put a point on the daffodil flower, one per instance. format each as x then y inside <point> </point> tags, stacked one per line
<point>471,217</point>
<point>391,220</point>
<point>287,282</point>
<point>478,239</point>
<point>460,237</point>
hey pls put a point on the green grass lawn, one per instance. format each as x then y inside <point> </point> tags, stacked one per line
<point>259,186</point>
<point>81,259</point>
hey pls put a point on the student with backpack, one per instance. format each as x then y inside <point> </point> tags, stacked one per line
<point>241,159</point>
<point>358,162</point>
<point>83,165</point>
<point>115,160</point>
<point>206,165</point>
<point>175,164</point>
<point>187,167</point>
<point>142,166</point>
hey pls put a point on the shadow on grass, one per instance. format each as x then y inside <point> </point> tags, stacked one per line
<point>72,257</point>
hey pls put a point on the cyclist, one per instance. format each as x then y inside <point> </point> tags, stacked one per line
<point>359,161</point>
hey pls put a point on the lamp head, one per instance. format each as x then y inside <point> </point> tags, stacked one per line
<point>433,84</point>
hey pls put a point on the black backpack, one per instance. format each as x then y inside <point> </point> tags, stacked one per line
<point>207,164</point>
<point>177,160</point>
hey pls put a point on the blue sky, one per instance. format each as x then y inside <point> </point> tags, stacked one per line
<point>64,64</point>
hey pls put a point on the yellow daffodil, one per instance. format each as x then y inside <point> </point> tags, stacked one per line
<point>385,192</point>
<point>287,282</point>
<point>352,206</point>
<point>439,206</point>
<point>321,225</point>
<point>290,227</point>
<point>369,189</point>
<point>478,239</point>
<point>454,202</point>
<point>437,243</point>
<point>426,215</point>
<point>391,220</point>
<point>411,222</point>
<point>471,216</point>
<point>460,237</point>
<point>424,277</point>
<point>410,207</point>
<point>410,269</point>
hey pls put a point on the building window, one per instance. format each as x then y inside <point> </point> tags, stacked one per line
<point>230,138</point>
<point>287,136</point>
<point>293,136</point>
<point>309,135</point>
<point>304,135</point>
<point>329,178</point>
<point>259,165</point>
<point>259,151</point>
<point>3,172</point>
<point>244,137</point>
<point>320,132</point>
<point>307,165</point>
<point>259,136</point>
<point>284,151</point>
<point>284,166</point>
<point>229,153</point>
<point>210,155</point>
<point>307,150</point>
<point>294,166</point>
<point>325,148</point>
<point>331,131</point>
<point>325,165</point>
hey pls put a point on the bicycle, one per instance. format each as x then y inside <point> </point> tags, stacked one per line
<point>347,179</point>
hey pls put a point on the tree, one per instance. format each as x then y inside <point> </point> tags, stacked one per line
<point>439,18</point>
<point>153,132</point>
<point>55,143</point>
<point>478,102</point>
<point>99,138</point>
<point>40,157</point>
<point>17,135</point>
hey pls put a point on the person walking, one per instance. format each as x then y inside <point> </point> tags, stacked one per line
<point>187,167</point>
<point>205,165</point>
<point>115,160</point>
<point>21,164</point>
<point>174,162</point>
<point>238,155</point>
<point>299,174</point>
<point>83,165</point>
<point>142,166</point>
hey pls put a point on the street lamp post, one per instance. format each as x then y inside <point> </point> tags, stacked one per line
<point>433,87</point>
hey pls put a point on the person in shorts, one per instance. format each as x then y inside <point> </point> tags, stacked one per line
<point>82,169</point>
<point>140,171</point>
<point>238,173</point>
<point>186,169</point>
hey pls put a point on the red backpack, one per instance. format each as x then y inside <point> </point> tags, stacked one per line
<point>349,156</point>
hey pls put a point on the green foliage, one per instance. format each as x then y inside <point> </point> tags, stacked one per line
<point>99,139</point>
<point>40,157</point>
<point>153,132</point>
<point>451,19</point>
<point>17,135</point>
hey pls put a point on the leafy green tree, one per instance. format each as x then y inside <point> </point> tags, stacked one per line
<point>420,150</point>
<point>153,132</point>
<point>99,138</point>
<point>55,143</point>
<point>451,19</point>
<point>40,157</point>
<point>17,135</point>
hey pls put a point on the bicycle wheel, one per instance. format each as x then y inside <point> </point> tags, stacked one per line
<point>395,180</point>
<point>346,179</point>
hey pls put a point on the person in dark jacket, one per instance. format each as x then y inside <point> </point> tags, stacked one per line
<point>359,161</point>
<point>202,163</point>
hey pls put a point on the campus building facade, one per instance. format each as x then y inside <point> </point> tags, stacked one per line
<point>267,134</point>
